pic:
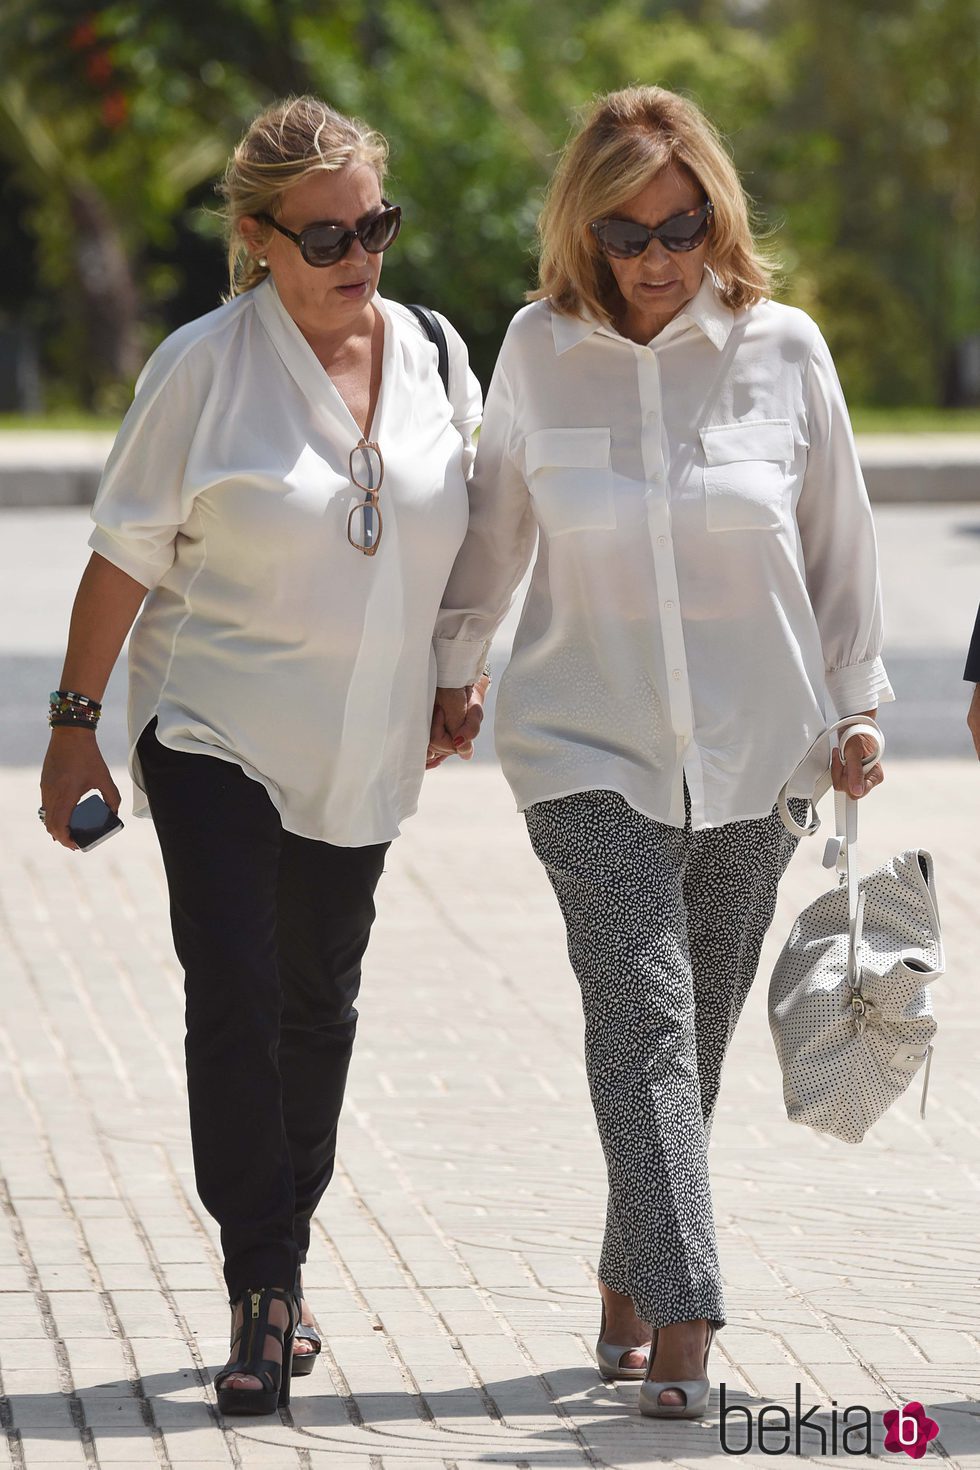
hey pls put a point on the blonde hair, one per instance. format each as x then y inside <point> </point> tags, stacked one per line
<point>628,138</point>
<point>292,139</point>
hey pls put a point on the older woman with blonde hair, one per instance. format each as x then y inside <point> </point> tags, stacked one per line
<point>284,502</point>
<point>704,602</point>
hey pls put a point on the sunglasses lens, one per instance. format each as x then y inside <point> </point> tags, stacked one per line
<point>325,244</point>
<point>686,232</point>
<point>379,233</point>
<point>621,237</point>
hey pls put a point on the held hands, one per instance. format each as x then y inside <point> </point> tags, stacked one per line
<point>848,775</point>
<point>73,765</point>
<point>456,719</point>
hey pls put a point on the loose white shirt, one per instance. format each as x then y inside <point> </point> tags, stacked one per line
<point>705,596</point>
<point>266,639</point>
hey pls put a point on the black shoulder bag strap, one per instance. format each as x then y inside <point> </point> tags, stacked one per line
<point>432,327</point>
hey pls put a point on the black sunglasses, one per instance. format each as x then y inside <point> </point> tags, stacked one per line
<point>325,244</point>
<point>624,238</point>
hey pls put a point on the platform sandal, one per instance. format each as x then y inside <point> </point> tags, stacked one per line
<point>304,1363</point>
<point>250,1340</point>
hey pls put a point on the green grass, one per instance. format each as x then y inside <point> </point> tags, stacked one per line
<point>68,418</point>
<point>865,420</point>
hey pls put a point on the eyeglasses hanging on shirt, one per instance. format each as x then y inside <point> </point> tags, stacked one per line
<point>364,523</point>
<point>625,238</point>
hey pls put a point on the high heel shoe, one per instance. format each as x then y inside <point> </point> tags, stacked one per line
<point>251,1337</point>
<point>609,1357</point>
<point>696,1391</point>
<point>304,1363</point>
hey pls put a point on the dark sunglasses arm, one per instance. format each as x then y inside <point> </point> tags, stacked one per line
<point>267,219</point>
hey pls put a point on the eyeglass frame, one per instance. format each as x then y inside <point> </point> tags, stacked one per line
<point>373,501</point>
<point>655,233</point>
<point>347,237</point>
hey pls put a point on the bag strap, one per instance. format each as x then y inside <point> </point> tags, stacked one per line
<point>433,329</point>
<point>853,725</point>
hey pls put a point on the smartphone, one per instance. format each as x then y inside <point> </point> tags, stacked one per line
<point>92,822</point>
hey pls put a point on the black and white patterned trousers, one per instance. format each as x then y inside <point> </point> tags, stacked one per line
<point>665,926</point>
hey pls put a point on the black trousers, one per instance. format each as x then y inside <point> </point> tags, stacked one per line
<point>270,929</point>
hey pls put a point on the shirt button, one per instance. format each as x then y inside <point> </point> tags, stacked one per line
<point>669,606</point>
<point>676,674</point>
<point>661,540</point>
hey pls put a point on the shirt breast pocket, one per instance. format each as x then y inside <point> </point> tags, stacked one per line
<point>746,476</point>
<point>569,475</point>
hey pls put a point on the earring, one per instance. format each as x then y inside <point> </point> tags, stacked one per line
<point>263,262</point>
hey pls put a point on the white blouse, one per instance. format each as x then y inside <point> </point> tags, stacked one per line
<point>266,639</point>
<point>705,596</point>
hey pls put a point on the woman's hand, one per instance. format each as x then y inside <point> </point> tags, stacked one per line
<point>456,719</point>
<point>848,774</point>
<point>73,765</point>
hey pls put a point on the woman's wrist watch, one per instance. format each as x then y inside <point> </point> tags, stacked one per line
<point>486,674</point>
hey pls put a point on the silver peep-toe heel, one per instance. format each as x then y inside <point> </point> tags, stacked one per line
<point>696,1391</point>
<point>609,1357</point>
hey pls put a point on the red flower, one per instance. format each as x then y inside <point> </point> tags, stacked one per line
<point>83,36</point>
<point>98,68</point>
<point>909,1429</point>
<point>115,110</point>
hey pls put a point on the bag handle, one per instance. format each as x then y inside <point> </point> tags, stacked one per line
<point>853,725</point>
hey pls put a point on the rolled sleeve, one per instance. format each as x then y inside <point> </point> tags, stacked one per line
<point>859,687</point>
<point>458,662</point>
<point>840,549</point>
<point>142,500</point>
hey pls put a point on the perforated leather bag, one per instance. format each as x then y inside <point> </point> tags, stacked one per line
<point>850,1009</point>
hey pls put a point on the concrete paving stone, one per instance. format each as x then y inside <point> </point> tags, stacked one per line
<point>125,1447</point>
<point>54,1449</point>
<point>177,1250</point>
<point>255,1451</point>
<point>40,1411</point>
<point>381,1399</point>
<point>201,1447</point>
<point>191,1276</point>
<point>65,1278</point>
<point>183,1413</point>
<point>29,1383</point>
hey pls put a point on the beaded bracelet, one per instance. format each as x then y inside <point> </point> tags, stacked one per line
<point>69,696</point>
<point>66,707</point>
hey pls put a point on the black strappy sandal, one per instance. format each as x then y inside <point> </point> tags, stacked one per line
<point>250,1338</point>
<point>304,1363</point>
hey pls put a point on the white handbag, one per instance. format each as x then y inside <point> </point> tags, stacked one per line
<point>849,1006</point>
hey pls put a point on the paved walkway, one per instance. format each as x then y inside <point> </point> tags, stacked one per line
<point>453,1266</point>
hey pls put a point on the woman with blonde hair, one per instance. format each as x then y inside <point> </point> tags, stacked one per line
<point>284,502</point>
<point>703,603</point>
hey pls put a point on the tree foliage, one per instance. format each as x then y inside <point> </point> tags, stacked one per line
<point>852,126</point>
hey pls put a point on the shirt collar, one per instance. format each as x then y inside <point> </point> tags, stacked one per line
<point>705,310</point>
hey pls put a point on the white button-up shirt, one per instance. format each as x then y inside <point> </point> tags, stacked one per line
<point>266,639</point>
<point>705,596</point>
